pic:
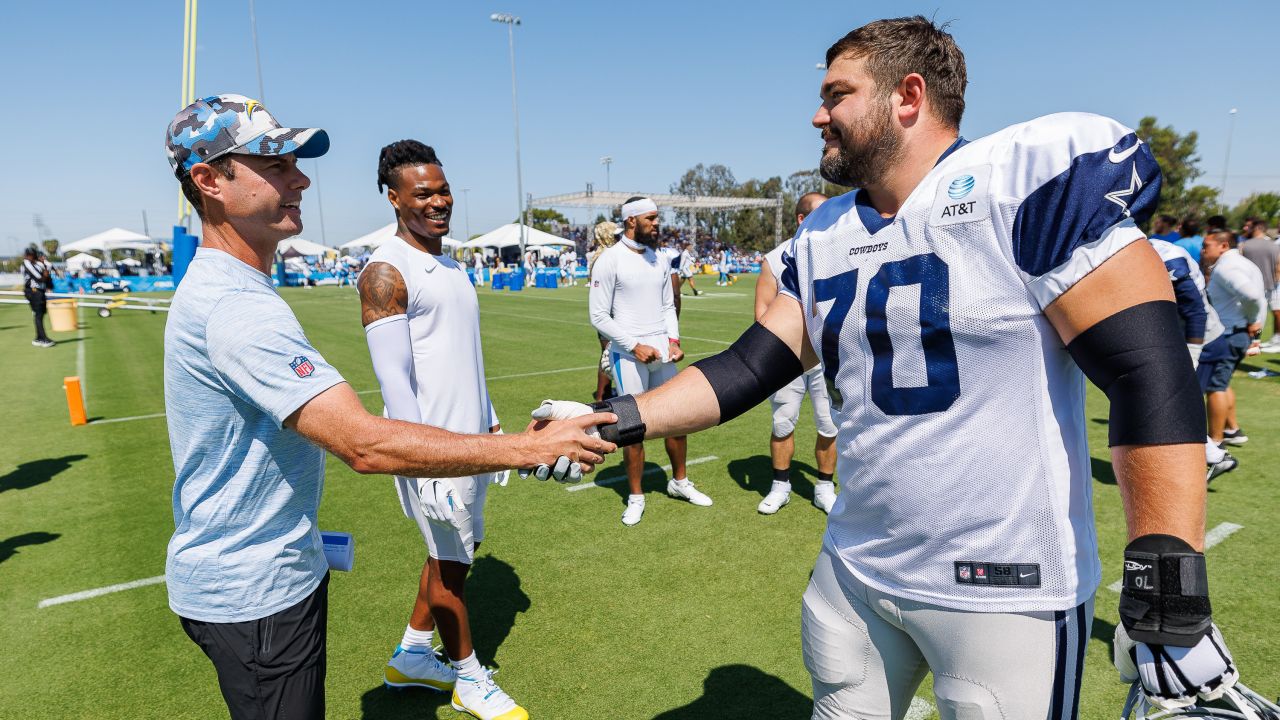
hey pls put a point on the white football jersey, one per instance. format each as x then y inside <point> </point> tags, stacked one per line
<point>1199,319</point>
<point>963,458</point>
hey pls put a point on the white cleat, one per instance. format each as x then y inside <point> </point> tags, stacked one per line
<point>634,511</point>
<point>482,698</point>
<point>779,495</point>
<point>824,496</point>
<point>414,668</point>
<point>684,490</point>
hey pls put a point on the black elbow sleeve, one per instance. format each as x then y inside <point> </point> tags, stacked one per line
<point>1138,359</point>
<point>755,366</point>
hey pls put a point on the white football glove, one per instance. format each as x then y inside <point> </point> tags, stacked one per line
<point>565,470</point>
<point>439,501</point>
<point>1172,677</point>
<point>1195,349</point>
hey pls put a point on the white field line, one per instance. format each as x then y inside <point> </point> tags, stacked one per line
<point>127,419</point>
<point>582,301</point>
<point>919,709</point>
<point>84,385</point>
<point>87,594</point>
<point>1220,532</point>
<point>651,471</point>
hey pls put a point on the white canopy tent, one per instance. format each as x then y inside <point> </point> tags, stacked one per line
<point>376,238</point>
<point>509,235</point>
<point>113,239</point>
<point>82,261</point>
<point>298,247</point>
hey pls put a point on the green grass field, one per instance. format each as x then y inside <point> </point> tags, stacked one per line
<point>691,615</point>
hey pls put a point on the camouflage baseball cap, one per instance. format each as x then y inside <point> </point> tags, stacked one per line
<point>221,124</point>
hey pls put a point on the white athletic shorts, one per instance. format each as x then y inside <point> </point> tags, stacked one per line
<point>1275,297</point>
<point>867,651</point>
<point>443,542</point>
<point>786,405</point>
<point>632,377</point>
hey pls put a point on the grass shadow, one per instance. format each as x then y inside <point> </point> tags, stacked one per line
<point>1102,471</point>
<point>755,473</point>
<point>36,472</point>
<point>653,480</point>
<point>1104,632</point>
<point>741,691</point>
<point>9,547</point>
<point>494,599</point>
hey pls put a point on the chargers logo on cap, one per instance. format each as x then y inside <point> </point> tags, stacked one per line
<point>250,106</point>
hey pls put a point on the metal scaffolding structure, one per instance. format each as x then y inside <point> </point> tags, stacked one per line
<point>690,205</point>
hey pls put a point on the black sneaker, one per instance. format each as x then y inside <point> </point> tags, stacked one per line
<point>1234,437</point>
<point>1225,465</point>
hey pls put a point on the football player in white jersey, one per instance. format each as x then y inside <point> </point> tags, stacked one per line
<point>631,302</point>
<point>421,320</point>
<point>786,402</point>
<point>1201,327</point>
<point>957,302</point>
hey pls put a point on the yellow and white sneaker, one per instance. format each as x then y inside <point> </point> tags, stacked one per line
<point>482,698</point>
<point>418,668</point>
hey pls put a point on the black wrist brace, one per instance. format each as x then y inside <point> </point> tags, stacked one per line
<point>630,429</point>
<point>1165,600</point>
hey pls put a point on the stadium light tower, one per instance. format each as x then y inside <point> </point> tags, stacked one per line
<point>1227,163</point>
<point>606,161</point>
<point>511,21</point>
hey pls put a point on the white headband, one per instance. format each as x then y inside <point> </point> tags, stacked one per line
<point>638,207</point>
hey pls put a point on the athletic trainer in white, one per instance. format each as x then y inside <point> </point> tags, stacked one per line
<point>413,667</point>
<point>635,509</point>
<point>779,495</point>
<point>824,496</point>
<point>482,698</point>
<point>684,490</point>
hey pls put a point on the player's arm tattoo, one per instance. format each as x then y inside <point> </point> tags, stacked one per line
<point>382,293</point>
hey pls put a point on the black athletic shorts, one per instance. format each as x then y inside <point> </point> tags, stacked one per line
<point>36,298</point>
<point>271,668</point>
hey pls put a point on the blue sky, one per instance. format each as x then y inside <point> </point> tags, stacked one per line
<point>659,86</point>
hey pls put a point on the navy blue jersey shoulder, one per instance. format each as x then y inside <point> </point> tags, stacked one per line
<point>1190,302</point>
<point>1078,206</point>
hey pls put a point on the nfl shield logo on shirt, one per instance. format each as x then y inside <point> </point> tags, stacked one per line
<point>302,366</point>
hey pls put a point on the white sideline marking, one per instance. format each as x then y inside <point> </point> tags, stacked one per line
<point>1219,533</point>
<point>87,594</point>
<point>702,339</point>
<point>127,419</point>
<point>615,480</point>
<point>919,709</point>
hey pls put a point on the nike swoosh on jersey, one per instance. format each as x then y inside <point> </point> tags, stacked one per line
<point>1119,157</point>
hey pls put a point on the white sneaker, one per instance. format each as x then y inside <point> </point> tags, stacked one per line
<point>779,495</point>
<point>416,668</point>
<point>824,496</point>
<point>482,698</point>
<point>635,509</point>
<point>684,490</point>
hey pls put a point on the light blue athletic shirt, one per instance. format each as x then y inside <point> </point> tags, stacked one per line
<point>246,494</point>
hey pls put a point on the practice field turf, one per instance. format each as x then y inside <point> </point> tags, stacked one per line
<point>692,615</point>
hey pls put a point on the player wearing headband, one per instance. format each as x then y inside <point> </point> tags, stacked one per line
<point>631,303</point>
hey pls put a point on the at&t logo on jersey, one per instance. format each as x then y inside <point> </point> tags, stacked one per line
<point>961,197</point>
<point>302,366</point>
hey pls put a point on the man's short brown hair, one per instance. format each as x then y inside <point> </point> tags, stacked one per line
<point>897,47</point>
<point>189,190</point>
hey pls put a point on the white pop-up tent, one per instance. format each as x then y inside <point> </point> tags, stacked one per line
<point>298,247</point>
<point>82,261</point>
<point>375,239</point>
<point>509,235</point>
<point>113,239</point>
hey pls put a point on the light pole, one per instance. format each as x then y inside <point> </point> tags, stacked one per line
<point>466,210</point>
<point>1231,126</point>
<point>511,21</point>
<point>607,160</point>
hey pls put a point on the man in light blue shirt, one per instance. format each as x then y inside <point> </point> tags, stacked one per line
<point>252,406</point>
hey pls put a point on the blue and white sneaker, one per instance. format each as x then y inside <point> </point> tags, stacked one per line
<point>412,667</point>
<point>482,698</point>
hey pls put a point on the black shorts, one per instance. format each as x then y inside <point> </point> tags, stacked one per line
<point>273,667</point>
<point>36,299</point>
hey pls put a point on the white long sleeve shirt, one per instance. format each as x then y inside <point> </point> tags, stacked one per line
<point>1237,291</point>
<point>631,299</point>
